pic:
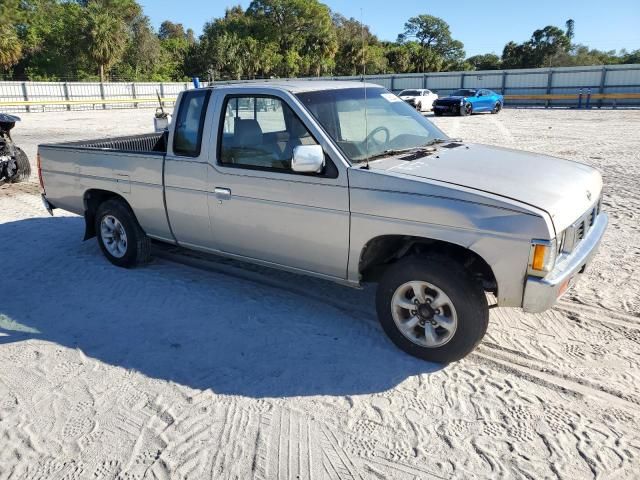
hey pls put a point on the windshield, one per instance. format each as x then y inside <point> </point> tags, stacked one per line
<point>412,93</point>
<point>463,93</point>
<point>391,123</point>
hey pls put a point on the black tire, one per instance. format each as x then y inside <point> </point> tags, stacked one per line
<point>466,294</point>
<point>24,167</point>
<point>419,107</point>
<point>465,110</point>
<point>437,113</point>
<point>138,245</point>
<point>496,108</point>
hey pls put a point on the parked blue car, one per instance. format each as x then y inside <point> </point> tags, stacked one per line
<point>469,100</point>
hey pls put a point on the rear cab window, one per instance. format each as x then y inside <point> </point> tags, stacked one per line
<point>189,123</point>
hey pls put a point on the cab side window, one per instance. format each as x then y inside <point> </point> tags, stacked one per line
<point>260,132</point>
<point>187,136</point>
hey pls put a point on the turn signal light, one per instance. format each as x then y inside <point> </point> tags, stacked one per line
<point>542,258</point>
<point>539,252</point>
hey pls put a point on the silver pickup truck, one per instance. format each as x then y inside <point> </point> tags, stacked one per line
<point>346,182</point>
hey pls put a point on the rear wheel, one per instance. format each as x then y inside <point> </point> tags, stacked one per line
<point>431,308</point>
<point>120,237</point>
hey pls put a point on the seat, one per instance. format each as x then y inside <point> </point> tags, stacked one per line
<point>249,147</point>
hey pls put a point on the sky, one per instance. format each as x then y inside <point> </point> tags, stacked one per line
<point>483,26</point>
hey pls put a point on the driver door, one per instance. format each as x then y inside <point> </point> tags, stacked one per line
<point>259,208</point>
<point>484,100</point>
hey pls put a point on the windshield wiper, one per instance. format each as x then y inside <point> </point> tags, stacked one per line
<point>444,140</point>
<point>388,153</point>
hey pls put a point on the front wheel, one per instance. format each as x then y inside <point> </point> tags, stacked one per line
<point>466,109</point>
<point>496,108</point>
<point>431,308</point>
<point>120,237</point>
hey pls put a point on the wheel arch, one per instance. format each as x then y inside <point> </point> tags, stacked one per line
<point>381,251</point>
<point>91,200</point>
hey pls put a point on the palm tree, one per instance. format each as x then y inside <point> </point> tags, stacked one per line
<point>106,36</point>
<point>10,48</point>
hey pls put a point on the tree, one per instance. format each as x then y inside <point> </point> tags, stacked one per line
<point>357,45</point>
<point>488,61</point>
<point>302,29</point>
<point>142,58</point>
<point>545,44</point>
<point>49,31</point>
<point>168,30</point>
<point>570,24</point>
<point>106,36</point>
<point>433,34</point>
<point>10,47</point>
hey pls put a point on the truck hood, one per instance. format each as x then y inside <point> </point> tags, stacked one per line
<point>562,188</point>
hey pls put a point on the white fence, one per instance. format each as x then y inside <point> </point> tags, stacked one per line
<point>610,85</point>
<point>39,96</point>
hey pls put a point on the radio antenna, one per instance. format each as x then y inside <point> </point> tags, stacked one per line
<point>364,83</point>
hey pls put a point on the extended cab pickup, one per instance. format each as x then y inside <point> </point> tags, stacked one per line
<point>346,182</point>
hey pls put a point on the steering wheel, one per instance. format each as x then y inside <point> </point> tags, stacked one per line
<point>372,136</point>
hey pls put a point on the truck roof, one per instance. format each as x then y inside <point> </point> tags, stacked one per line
<point>298,86</point>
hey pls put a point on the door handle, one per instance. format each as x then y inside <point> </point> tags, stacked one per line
<point>222,193</point>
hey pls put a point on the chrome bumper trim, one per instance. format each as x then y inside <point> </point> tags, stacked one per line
<point>541,294</point>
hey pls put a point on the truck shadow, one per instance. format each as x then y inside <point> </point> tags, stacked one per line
<point>202,329</point>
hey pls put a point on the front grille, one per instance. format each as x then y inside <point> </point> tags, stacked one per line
<point>579,229</point>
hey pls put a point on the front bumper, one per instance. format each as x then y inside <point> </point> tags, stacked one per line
<point>540,294</point>
<point>447,108</point>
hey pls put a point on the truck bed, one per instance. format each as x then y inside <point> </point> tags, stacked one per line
<point>144,143</point>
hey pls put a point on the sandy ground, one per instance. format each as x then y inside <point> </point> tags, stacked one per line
<point>170,371</point>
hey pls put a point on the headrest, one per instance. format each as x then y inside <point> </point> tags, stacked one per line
<point>247,132</point>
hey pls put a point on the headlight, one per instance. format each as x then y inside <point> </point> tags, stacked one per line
<point>462,102</point>
<point>542,257</point>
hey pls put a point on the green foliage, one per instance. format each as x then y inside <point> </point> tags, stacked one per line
<point>437,49</point>
<point>10,47</point>
<point>489,61</point>
<point>113,39</point>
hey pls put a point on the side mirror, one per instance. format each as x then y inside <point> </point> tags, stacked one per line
<point>479,94</point>
<point>307,159</point>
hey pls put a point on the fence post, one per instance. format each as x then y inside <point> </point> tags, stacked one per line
<point>133,94</point>
<point>393,82</point>
<point>104,105</point>
<point>65,89</point>
<point>504,83</point>
<point>587,105</point>
<point>603,83</point>
<point>549,84</point>
<point>579,99</point>
<point>462,80</point>
<point>424,81</point>
<point>25,94</point>
<point>162,94</point>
